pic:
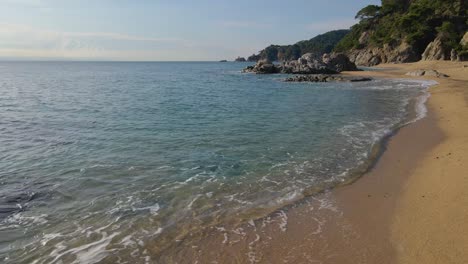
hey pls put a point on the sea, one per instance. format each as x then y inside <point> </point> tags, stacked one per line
<point>114,162</point>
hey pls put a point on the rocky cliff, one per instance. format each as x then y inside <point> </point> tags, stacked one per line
<point>401,31</point>
<point>388,53</point>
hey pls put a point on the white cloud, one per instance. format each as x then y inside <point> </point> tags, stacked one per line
<point>322,27</point>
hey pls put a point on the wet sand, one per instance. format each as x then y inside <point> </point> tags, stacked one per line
<point>412,207</point>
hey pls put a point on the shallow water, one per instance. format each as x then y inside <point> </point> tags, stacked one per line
<point>127,159</point>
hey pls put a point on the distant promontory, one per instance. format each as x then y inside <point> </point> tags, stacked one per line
<point>397,31</point>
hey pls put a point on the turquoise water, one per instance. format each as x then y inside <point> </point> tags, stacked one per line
<point>102,162</point>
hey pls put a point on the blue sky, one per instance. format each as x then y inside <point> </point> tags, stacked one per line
<point>162,30</point>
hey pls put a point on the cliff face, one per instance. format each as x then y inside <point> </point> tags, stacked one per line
<point>401,31</point>
<point>436,50</point>
<point>371,56</point>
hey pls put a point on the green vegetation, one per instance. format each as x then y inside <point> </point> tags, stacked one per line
<point>416,22</point>
<point>324,43</point>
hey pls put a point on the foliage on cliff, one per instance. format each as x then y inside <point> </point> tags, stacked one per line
<point>323,43</point>
<point>416,22</point>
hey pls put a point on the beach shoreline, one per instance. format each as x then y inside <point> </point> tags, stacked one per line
<point>413,219</point>
<point>371,220</point>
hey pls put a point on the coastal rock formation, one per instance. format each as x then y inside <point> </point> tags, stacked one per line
<point>339,61</point>
<point>464,40</point>
<point>387,54</point>
<point>308,63</point>
<point>254,58</point>
<point>463,55</point>
<point>263,67</point>
<point>453,55</point>
<point>325,78</point>
<point>435,50</point>
<point>427,73</point>
<point>240,59</point>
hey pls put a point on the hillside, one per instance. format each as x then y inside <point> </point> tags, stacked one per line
<point>323,43</point>
<point>407,31</point>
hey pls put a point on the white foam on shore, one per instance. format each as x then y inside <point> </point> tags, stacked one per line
<point>283,220</point>
<point>421,109</point>
<point>420,104</point>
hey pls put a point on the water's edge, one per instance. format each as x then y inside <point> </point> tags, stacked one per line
<point>417,110</point>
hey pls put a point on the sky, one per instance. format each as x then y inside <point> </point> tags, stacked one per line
<point>159,30</point>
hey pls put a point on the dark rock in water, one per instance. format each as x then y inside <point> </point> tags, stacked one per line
<point>310,78</point>
<point>263,67</point>
<point>268,68</point>
<point>240,59</point>
<point>223,61</point>
<point>307,64</point>
<point>248,69</point>
<point>361,79</point>
<point>326,78</point>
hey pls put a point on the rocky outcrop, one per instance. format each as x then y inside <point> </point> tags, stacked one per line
<point>339,61</point>
<point>372,56</point>
<point>453,55</point>
<point>435,50</point>
<point>307,64</point>
<point>263,67</point>
<point>464,40</point>
<point>326,78</point>
<point>427,73</point>
<point>254,58</point>
<point>240,59</point>
<point>463,55</point>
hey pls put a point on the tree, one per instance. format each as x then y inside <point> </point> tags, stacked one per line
<point>368,12</point>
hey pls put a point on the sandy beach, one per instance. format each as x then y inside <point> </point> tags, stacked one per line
<point>428,223</point>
